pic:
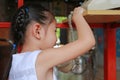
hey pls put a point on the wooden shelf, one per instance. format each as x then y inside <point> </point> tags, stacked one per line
<point>102,12</point>
<point>101,16</point>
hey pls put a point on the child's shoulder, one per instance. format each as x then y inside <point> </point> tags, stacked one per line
<point>26,55</point>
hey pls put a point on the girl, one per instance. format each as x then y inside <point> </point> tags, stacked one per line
<point>33,28</point>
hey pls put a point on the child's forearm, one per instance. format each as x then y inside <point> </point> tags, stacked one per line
<point>83,29</point>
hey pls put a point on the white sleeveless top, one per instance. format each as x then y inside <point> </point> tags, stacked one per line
<point>23,66</point>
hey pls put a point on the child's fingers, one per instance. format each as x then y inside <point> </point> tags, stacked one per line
<point>79,10</point>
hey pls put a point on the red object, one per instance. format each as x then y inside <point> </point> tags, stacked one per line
<point>5,24</point>
<point>93,25</point>
<point>19,49</point>
<point>110,53</point>
<point>20,3</point>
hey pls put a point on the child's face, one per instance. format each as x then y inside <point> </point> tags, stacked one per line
<point>50,37</point>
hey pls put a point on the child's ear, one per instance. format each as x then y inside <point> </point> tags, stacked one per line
<point>37,30</point>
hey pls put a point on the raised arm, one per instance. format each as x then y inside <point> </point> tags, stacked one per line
<point>52,57</point>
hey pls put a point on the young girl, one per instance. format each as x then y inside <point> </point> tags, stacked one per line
<point>33,28</point>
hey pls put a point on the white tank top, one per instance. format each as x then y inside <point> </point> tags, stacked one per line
<point>23,66</point>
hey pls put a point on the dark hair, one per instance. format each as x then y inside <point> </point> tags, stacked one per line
<point>24,16</point>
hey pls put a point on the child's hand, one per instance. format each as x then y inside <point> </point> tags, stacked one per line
<point>78,11</point>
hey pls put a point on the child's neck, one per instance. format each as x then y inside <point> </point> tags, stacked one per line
<point>27,48</point>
